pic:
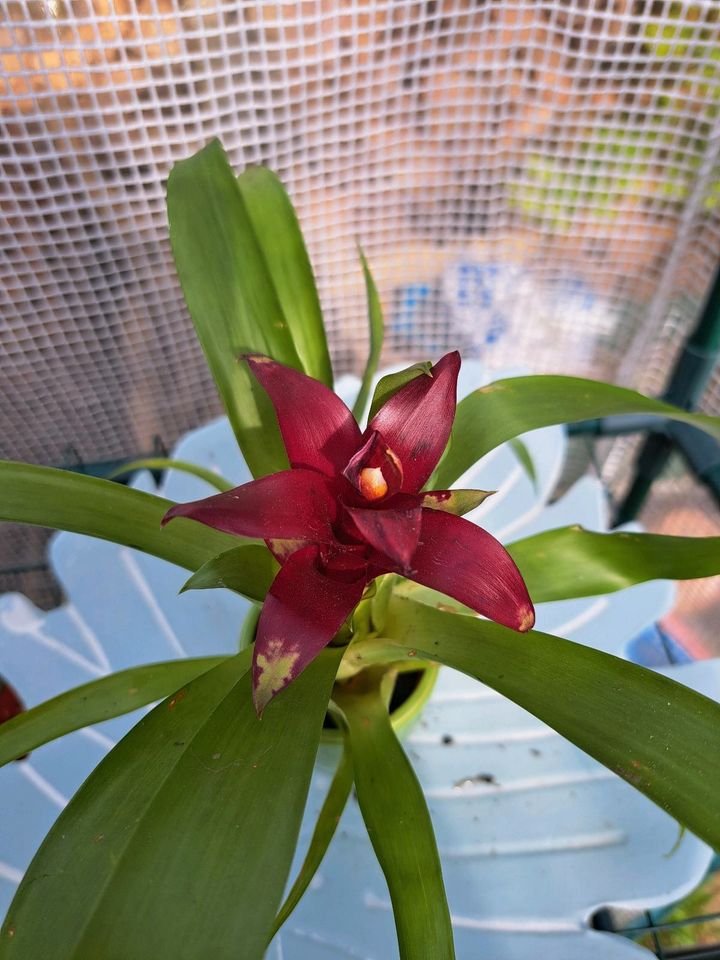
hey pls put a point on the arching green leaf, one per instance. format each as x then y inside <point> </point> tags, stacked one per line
<point>508,408</point>
<point>323,833</point>
<point>655,733</point>
<point>166,463</point>
<point>231,294</point>
<point>99,700</point>
<point>397,819</point>
<point>230,570</point>
<point>524,458</point>
<point>179,844</point>
<point>110,511</point>
<point>573,562</point>
<point>377,332</point>
<point>281,242</point>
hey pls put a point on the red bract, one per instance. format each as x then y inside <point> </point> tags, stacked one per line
<point>10,705</point>
<point>350,509</point>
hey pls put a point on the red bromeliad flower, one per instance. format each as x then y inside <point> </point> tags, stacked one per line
<point>350,509</point>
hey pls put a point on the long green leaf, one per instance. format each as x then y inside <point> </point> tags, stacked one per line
<point>180,842</point>
<point>281,241</point>
<point>524,458</point>
<point>110,511</point>
<point>507,408</point>
<point>398,822</point>
<point>228,570</point>
<point>231,295</point>
<point>166,463</point>
<point>323,833</point>
<point>376,326</point>
<point>573,562</point>
<point>94,702</point>
<point>655,733</point>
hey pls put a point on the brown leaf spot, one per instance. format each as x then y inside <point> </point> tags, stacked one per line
<point>173,701</point>
<point>448,608</point>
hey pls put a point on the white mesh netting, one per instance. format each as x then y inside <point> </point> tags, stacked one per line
<point>535,182</point>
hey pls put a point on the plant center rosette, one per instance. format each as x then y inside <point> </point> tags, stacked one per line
<point>351,508</point>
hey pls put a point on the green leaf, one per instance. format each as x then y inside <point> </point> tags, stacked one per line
<point>110,511</point>
<point>655,733</point>
<point>323,833</point>
<point>573,562</point>
<point>94,702</point>
<point>280,239</point>
<point>231,295</point>
<point>507,408</point>
<point>523,456</point>
<point>377,333</point>
<point>378,605</point>
<point>179,844</point>
<point>389,385</point>
<point>398,822</point>
<point>230,570</point>
<point>165,463</point>
<point>458,502</point>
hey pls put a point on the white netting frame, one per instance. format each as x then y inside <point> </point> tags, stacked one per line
<point>543,176</point>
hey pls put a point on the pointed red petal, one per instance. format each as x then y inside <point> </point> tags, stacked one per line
<point>393,532</point>
<point>416,421</point>
<point>317,428</point>
<point>293,504</point>
<point>302,613</point>
<point>467,563</point>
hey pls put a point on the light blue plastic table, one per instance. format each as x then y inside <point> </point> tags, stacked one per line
<point>534,835</point>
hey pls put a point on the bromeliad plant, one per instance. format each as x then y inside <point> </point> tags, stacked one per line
<point>351,509</point>
<point>165,853</point>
